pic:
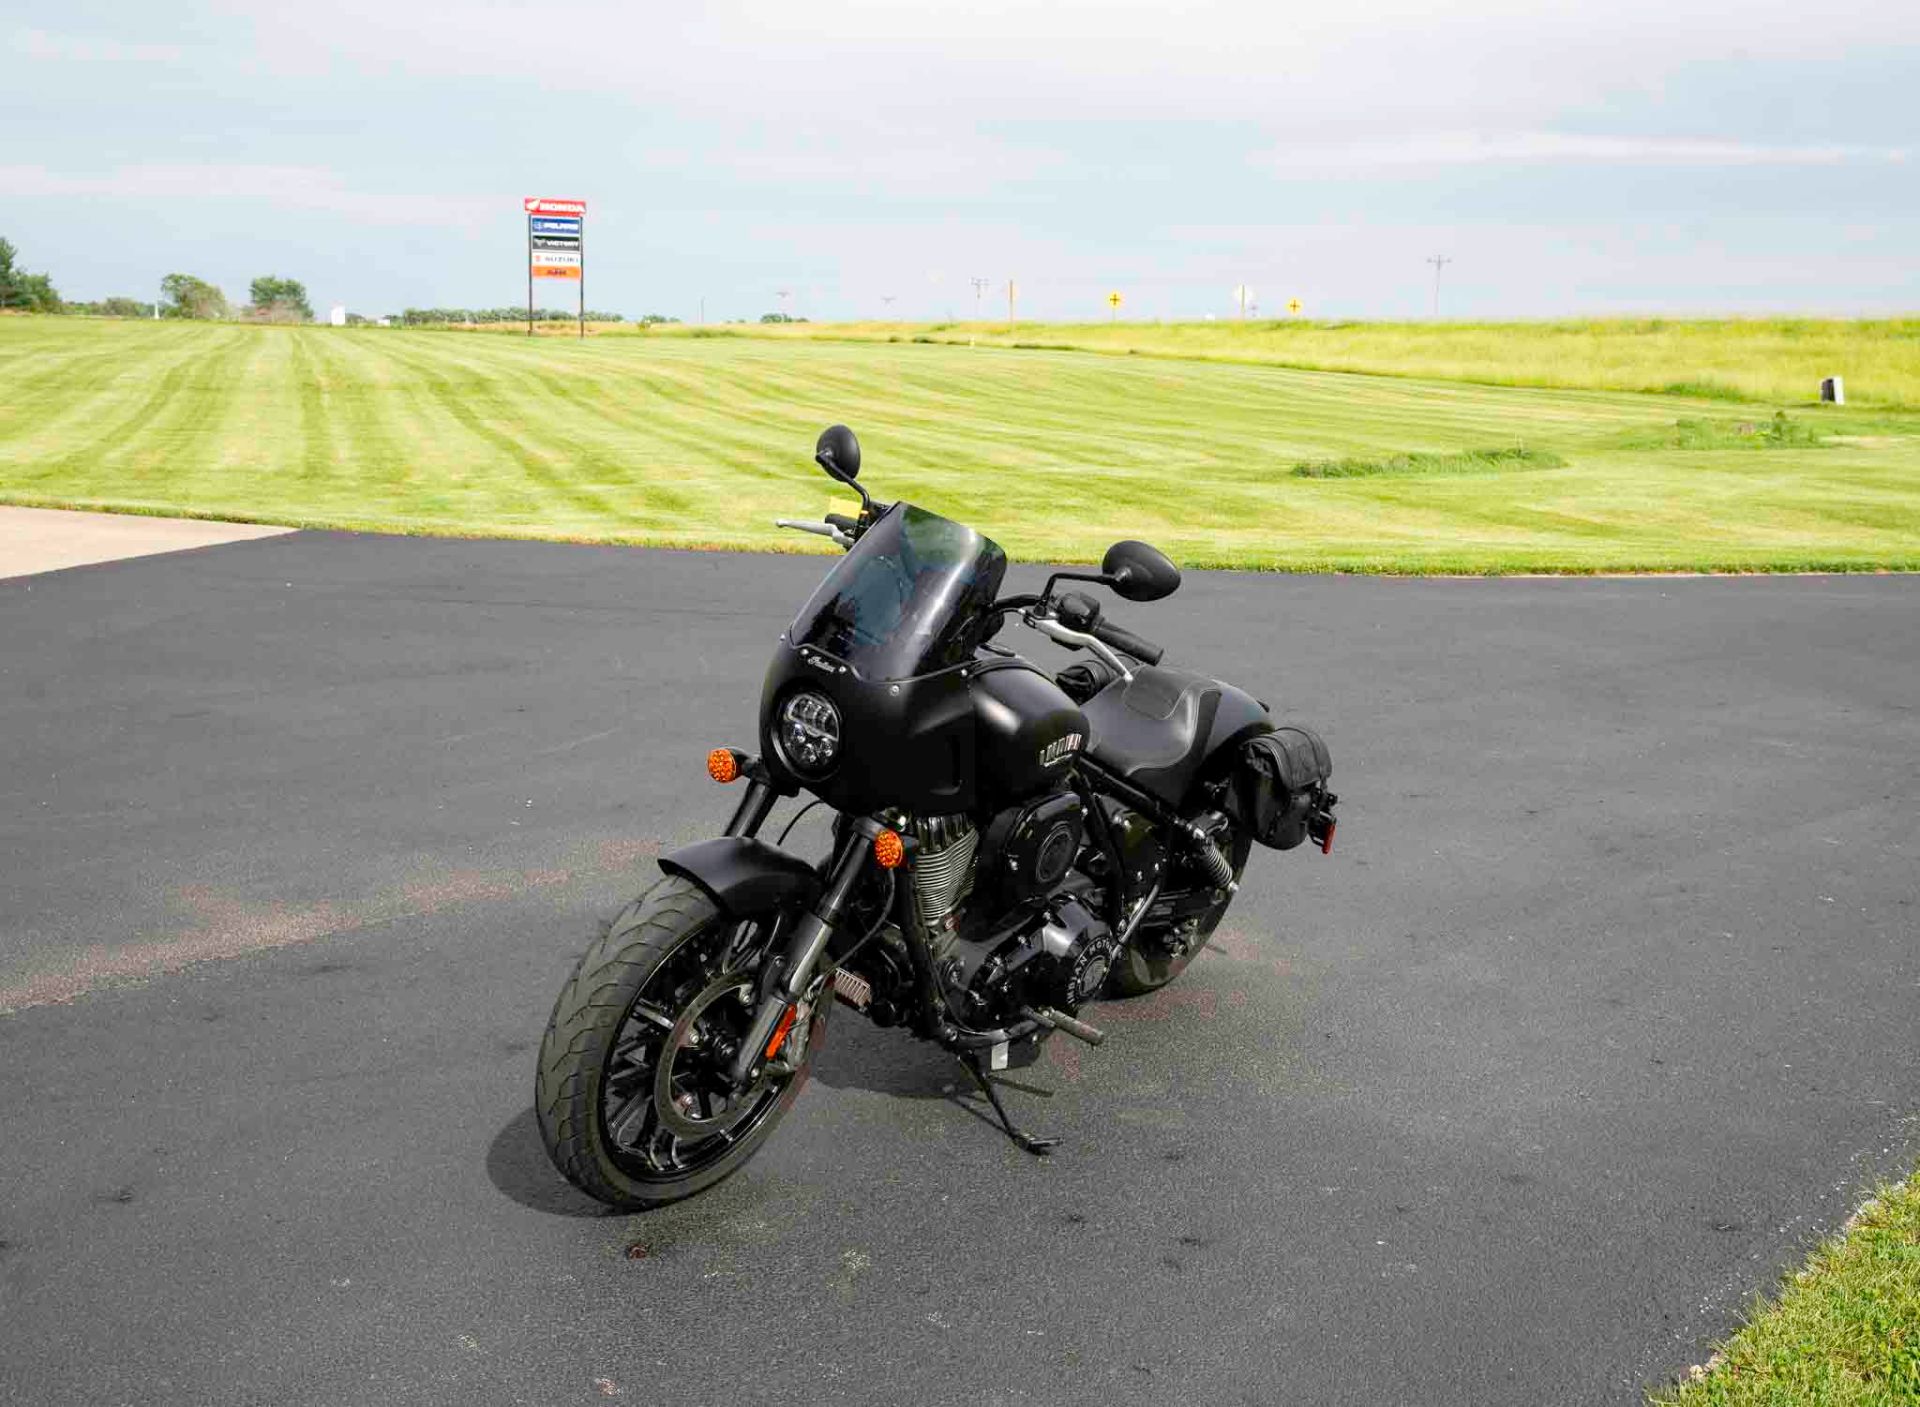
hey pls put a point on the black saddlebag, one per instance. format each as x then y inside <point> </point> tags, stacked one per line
<point>1280,784</point>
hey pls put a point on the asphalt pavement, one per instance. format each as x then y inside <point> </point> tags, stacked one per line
<point>1602,1011</point>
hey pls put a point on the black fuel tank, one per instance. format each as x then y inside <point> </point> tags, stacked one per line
<point>1025,732</point>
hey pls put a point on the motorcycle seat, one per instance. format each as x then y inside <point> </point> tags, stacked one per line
<point>1154,729</point>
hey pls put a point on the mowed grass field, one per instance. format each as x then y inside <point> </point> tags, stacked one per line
<point>1763,359</point>
<point>702,441</point>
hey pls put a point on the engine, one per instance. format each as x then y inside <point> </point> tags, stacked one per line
<point>1031,848</point>
<point>1007,919</point>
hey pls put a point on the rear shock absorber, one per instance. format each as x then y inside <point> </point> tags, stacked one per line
<point>1206,853</point>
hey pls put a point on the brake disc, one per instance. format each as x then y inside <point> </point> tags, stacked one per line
<point>691,1096</point>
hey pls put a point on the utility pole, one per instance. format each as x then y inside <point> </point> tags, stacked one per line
<point>980,286</point>
<point>1439,262</point>
<point>887,299</point>
<point>785,294</point>
<point>1011,291</point>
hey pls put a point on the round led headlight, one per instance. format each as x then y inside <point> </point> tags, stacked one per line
<point>809,732</point>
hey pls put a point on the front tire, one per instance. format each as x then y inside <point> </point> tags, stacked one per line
<point>631,1102</point>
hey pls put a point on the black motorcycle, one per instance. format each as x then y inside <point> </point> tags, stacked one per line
<point>1008,846</point>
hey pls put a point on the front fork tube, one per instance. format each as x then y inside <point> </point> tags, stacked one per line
<point>794,971</point>
<point>754,807</point>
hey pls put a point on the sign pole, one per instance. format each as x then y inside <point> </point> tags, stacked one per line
<point>529,274</point>
<point>583,278</point>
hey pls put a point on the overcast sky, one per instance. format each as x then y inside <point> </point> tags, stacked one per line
<point>1626,155</point>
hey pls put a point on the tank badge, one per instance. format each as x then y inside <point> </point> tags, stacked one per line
<point>1060,749</point>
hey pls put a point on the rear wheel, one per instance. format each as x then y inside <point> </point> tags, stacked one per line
<point>631,1095</point>
<point>1156,956</point>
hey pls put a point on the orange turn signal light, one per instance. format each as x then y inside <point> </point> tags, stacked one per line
<point>889,849</point>
<point>722,765</point>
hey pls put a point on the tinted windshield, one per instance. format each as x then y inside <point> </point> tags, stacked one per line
<point>907,599</point>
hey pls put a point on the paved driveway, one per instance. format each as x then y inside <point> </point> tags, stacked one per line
<point>1603,1009</point>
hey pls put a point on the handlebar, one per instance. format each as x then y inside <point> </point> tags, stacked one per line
<point>1078,611</point>
<point>1127,642</point>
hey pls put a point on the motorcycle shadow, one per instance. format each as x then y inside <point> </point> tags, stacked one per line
<point>854,1057</point>
<point>518,1166</point>
<point>857,1056</point>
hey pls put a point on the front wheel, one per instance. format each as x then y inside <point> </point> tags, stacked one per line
<point>633,1102</point>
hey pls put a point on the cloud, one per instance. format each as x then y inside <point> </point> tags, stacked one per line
<point>1069,59</point>
<point>1444,149</point>
<point>297,188</point>
<point>40,45</point>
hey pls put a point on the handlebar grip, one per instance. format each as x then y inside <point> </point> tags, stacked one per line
<point>842,522</point>
<point>1125,641</point>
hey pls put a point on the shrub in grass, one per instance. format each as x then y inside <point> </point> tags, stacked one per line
<point>1779,432</point>
<point>1470,461</point>
<point>1702,390</point>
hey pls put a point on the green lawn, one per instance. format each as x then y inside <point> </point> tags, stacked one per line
<point>1844,1332</point>
<point>701,441</point>
<point>1716,358</point>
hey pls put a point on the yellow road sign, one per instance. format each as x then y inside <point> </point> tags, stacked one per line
<point>1114,299</point>
<point>1293,306</point>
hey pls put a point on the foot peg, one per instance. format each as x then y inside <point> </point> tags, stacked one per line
<point>1060,1021</point>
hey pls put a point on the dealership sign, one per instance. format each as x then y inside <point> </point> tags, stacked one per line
<point>556,248</point>
<point>555,234</point>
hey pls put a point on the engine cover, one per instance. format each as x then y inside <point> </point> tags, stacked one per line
<point>1082,949</point>
<point>1057,957</point>
<point>1029,849</point>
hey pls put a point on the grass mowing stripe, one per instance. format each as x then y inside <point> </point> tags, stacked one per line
<point>550,479</point>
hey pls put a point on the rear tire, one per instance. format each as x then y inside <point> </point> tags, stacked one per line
<point>638,1026</point>
<point>1151,960</point>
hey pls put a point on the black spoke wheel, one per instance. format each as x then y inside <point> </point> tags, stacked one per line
<point>1156,956</point>
<point>632,1098</point>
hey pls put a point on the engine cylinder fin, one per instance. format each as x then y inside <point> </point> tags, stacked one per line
<point>943,867</point>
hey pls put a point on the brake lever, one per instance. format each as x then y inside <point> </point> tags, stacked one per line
<point>826,530</point>
<point>1076,639</point>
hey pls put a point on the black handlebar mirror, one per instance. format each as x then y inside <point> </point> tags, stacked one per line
<point>1139,572</point>
<point>838,452</point>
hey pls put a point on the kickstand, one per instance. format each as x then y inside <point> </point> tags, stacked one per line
<point>1039,1147</point>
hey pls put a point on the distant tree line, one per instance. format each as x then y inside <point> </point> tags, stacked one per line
<point>20,289</point>
<point>418,317</point>
<point>110,308</point>
<point>270,298</point>
<point>275,299</point>
<point>188,297</point>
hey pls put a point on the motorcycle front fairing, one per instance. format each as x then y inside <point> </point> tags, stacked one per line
<point>887,640</point>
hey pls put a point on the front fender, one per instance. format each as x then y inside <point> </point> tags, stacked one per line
<point>745,877</point>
